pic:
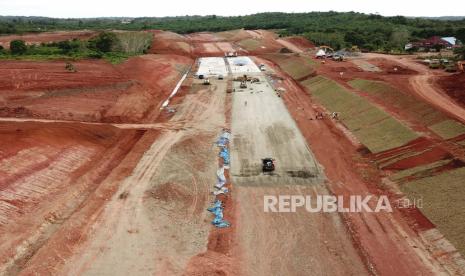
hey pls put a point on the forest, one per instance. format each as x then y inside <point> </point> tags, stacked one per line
<point>368,31</point>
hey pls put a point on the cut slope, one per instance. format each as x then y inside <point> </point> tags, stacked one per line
<point>373,127</point>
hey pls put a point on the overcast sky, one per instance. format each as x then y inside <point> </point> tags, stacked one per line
<point>137,8</point>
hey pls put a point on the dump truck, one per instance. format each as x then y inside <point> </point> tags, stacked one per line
<point>434,64</point>
<point>268,165</point>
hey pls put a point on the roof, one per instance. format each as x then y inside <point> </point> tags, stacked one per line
<point>434,40</point>
<point>320,53</point>
<point>452,40</point>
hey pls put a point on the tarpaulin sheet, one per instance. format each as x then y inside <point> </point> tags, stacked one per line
<point>224,153</point>
<point>217,210</point>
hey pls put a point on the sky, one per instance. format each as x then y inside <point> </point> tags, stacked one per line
<point>157,8</point>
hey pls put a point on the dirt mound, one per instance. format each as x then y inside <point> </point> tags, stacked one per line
<point>47,37</point>
<point>98,92</point>
<point>234,35</point>
<point>170,192</point>
<point>165,42</point>
<point>454,86</point>
<point>392,67</point>
<point>300,42</point>
<point>203,37</point>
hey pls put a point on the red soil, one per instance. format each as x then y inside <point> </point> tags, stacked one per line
<point>47,170</point>
<point>454,86</point>
<point>99,91</point>
<point>375,235</point>
<point>300,42</point>
<point>170,43</point>
<point>423,150</point>
<point>203,37</point>
<point>391,67</point>
<point>47,37</point>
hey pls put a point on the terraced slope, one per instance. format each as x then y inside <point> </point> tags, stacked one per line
<point>421,111</point>
<point>376,129</point>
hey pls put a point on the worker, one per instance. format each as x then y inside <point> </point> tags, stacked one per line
<point>245,103</point>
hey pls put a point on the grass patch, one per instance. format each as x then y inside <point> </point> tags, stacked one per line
<point>435,120</point>
<point>117,57</point>
<point>134,42</point>
<point>448,129</point>
<point>418,170</point>
<point>443,197</point>
<point>250,44</point>
<point>296,66</point>
<point>374,128</point>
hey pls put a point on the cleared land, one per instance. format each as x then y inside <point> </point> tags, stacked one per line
<point>97,92</point>
<point>212,66</point>
<point>262,127</point>
<point>96,179</point>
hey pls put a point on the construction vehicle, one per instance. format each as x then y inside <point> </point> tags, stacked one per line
<point>206,81</point>
<point>434,64</point>
<point>268,165</point>
<point>338,57</point>
<point>243,84</point>
<point>70,67</point>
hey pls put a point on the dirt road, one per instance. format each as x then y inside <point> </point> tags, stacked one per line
<point>423,85</point>
<point>157,219</point>
<point>299,243</point>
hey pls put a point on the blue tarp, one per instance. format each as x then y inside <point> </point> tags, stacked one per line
<point>217,210</point>
<point>224,153</point>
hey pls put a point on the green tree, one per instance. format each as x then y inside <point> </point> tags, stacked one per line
<point>399,38</point>
<point>460,52</point>
<point>18,47</point>
<point>105,42</point>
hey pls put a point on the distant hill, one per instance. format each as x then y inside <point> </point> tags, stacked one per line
<point>446,18</point>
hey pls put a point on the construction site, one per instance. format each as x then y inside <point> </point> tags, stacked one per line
<point>159,165</point>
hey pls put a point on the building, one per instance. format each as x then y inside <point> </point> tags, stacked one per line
<point>433,42</point>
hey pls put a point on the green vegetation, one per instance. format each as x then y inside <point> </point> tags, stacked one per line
<point>296,66</point>
<point>442,197</point>
<point>418,110</point>
<point>114,47</point>
<point>368,31</point>
<point>460,53</point>
<point>448,129</point>
<point>374,128</point>
<point>18,47</point>
<point>249,44</point>
<point>133,42</point>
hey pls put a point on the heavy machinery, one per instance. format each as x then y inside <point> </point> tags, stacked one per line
<point>206,81</point>
<point>243,84</point>
<point>434,64</point>
<point>70,67</point>
<point>268,165</point>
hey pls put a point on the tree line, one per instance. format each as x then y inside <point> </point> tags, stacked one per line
<point>336,29</point>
